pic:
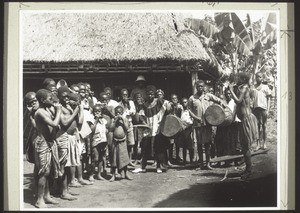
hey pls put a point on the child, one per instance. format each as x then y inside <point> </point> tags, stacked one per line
<point>119,154</point>
<point>45,147</point>
<point>129,111</point>
<point>184,140</point>
<point>176,109</point>
<point>74,102</point>
<point>32,105</point>
<point>98,142</point>
<point>261,105</point>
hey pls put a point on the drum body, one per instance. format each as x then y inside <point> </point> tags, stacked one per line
<point>171,125</point>
<point>216,115</point>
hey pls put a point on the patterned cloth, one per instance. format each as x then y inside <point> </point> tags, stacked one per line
<point>249,131</point>
<point>119,154</point>
<point>46,157</point>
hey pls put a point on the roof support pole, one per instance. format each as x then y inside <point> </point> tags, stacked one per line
<point>194,77</point>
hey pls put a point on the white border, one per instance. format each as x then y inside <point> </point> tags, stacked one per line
<point>149,11</point>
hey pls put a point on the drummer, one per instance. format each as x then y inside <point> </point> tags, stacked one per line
<point>197,104</point>
<point>227,137</point>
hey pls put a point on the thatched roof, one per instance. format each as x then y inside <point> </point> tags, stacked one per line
<point>62,37</point>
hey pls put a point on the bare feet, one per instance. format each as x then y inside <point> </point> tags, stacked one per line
<point>128,177</point>
<point>50,200</point>
<point>84,182</point>
<point>40,204</point>
<point>99,177</point>
<point>68,197</point>
<point>112,178</point>
<point>75,184</point>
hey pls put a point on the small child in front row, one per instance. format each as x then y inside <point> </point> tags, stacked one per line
<point>119,157</point>
<point>98,142</point>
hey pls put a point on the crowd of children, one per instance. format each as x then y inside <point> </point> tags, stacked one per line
<point>76,133</point>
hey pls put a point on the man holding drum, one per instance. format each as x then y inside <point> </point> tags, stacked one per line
<point>197,105</point>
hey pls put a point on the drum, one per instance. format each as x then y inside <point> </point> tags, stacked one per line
<point>171,125</point>
<point>216,115</point>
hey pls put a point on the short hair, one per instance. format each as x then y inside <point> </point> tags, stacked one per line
<point>160,90</point>
<point>29,96</point>
<point>107,88</point>
<point>199,82</point>
<point>81,84</point>
<point>119,107</point>
<point>74,97</point>
<point>47,81</point>
<point>173,95</point>
<point>123,90</point>
<point>73,85</point>
<point>96,106</point>
<point>184,98</point>
<point>244,76</point>
<point>102,94</point>
<point>150,88</point>
<point>259,73</point>
<point>63,89</point>
<point>49,86</point>
<point>42,94</point>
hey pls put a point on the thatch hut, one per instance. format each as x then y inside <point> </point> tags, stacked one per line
<point>111,49</point>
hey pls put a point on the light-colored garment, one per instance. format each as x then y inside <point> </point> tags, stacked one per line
<point>155,120</point>
<point>198,106</point>
<point>232,106</point>
<point>261,93</point>
<point>85,129</point>
<point>112,103</point>
<point>186,118</point>
<point>100,132</point>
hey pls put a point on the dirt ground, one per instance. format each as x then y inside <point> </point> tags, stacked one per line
<point>180,186</point>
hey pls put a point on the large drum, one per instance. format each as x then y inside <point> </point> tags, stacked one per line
<point>171,125</point>
<point>218,116</point>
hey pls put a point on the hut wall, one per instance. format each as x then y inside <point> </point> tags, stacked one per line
<point>170,82</point>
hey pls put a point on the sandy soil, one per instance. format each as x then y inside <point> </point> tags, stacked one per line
<point>180,186</point>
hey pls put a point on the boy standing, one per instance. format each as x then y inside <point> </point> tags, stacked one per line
<point>99,142</point>
<point>261,107</point>
<point>198,103</point>
<point>45,147</point>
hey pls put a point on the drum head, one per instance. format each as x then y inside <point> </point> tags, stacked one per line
<point>214,115</point>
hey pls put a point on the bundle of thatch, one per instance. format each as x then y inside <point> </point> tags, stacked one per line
<point>114,37</point>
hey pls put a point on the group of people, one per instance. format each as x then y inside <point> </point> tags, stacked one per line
<point>76,133</point>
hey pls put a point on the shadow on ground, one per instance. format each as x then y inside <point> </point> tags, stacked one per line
<point>259,192</point>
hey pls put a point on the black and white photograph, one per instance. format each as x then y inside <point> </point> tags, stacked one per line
<point>149,109</point>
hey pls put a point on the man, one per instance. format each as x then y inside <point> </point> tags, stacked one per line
<point>198,103</point>
<point>140,87</point>
<point>261,108</point>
